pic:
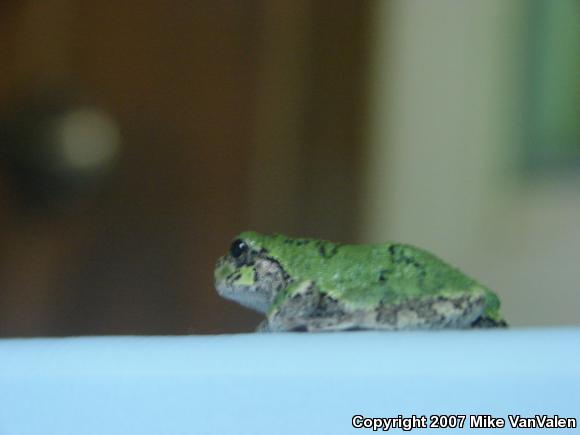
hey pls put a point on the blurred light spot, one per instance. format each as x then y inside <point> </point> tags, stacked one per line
<point>88,139</point>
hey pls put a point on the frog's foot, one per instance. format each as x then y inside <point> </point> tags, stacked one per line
<point>303,307</point>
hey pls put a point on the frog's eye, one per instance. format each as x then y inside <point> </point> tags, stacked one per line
<point>238,248</point>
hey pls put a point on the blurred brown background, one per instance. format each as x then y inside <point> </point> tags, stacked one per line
<point>191,121</point>
<point>231,113</point>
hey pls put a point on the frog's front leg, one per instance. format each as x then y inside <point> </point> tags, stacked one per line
<point>263,326</point>
<point>303,307</point>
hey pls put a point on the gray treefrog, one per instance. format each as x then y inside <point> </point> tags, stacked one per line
<point>316,285</point>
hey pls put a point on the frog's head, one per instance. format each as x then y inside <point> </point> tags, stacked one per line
<point>248,275</point>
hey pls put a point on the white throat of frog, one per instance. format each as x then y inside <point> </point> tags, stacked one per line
<point>249,297</point>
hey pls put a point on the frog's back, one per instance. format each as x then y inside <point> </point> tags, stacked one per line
<point>391,268</point>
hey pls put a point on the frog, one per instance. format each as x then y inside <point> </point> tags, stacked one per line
<point>311,285</point>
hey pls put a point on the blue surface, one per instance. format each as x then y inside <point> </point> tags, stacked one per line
<point>282,383</point>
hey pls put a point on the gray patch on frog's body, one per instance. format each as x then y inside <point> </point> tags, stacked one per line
<point>313,310</point>
<point>430,312</point>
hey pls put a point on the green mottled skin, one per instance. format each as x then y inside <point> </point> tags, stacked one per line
<point>366,275</point>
